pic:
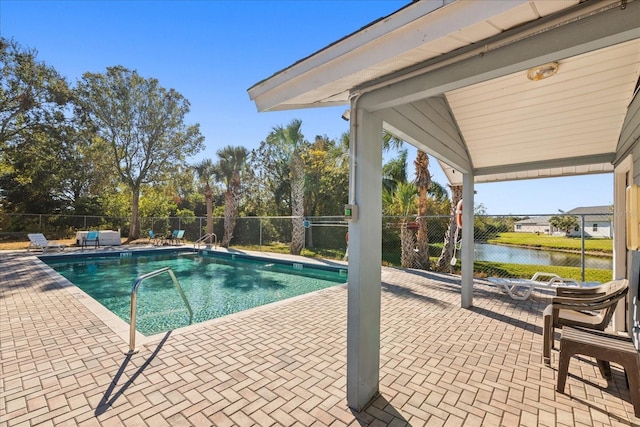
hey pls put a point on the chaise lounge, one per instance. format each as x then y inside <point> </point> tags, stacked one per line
<point>521,289</point>
<point>38,241</point>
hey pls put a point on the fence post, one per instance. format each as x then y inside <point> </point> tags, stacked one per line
<point>260,244</point>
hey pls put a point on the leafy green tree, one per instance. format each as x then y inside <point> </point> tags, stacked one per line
<point>156,202</point>
<point>231,166</point>
<point>270,186</point>
<point>33,98</point>
<point>326,178</point>
<point>565,223</point>
<point>143,123</point>
<point>30,175</point>
<point>32,94</point>
<point>290,145</point>
<point>326,183</point>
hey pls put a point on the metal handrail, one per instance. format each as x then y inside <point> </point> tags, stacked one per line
<point>205,237</point>
<point>134,296</point>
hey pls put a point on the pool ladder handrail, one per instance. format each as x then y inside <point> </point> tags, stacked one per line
<point>134,297</point>
<point>205,237</point>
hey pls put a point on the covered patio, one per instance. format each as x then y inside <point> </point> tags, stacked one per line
<point>495,91</point>
<point>62,362</point>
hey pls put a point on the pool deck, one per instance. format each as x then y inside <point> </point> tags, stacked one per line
<point>63,362</point>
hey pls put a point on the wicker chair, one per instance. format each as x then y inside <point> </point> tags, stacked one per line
<point>587,307</point>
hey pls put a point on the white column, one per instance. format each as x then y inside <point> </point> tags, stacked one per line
<point>365,255</point>
<point>467,254</point>
<point>620,254</point>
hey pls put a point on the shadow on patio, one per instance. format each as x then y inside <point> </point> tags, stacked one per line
<point>285,363</point>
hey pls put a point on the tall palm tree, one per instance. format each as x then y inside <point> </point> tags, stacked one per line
<point>231,165</point>
<point>423,182</point>
<point>291,143</point>
<point>205,171</point>
<point>402,201</point>
<point>449,237</point>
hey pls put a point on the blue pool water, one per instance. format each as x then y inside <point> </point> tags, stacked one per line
<point>214,285</point>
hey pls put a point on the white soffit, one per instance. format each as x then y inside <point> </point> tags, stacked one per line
<point>420,31</point>
<point>576,113</point>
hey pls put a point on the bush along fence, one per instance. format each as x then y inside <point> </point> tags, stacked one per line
<point>576,246</point>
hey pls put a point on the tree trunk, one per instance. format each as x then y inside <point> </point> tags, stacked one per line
<point>134,229</point>
<point>208,195</point>
<point>423,180</point>
<point>407,244</point>
<point>231,200</point>
<point>297,208</point>
<point>444,262</point>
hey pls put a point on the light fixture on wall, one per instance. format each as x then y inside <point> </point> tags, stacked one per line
<point>542,71</point>
<point>346,115</point>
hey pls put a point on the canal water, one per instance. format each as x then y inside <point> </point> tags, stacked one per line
<point>497,253</point>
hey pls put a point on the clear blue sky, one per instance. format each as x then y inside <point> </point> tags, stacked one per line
<point>213,51</point>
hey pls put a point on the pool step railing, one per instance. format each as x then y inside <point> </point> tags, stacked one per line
<point>134,297</point>
<point>207,236</point>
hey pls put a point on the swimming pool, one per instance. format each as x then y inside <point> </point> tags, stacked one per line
<point>215,284</point>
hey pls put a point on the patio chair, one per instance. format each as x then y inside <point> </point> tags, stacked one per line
<point>591,308</point>
<point>177,236</point>
<point>38,241</point>
<point>91,237</point>
<point>521,289</point>
<point>153,238</point>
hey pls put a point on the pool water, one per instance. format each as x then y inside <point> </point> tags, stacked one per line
<point>214,286</point>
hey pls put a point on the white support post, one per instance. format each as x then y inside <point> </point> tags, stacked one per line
<point>365,255</point>
<point>621,257</point>
<point>467,254</point>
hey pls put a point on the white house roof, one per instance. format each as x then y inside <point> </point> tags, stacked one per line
<point>536,220</point>
<point>450,77</point>
<point>594,213</point>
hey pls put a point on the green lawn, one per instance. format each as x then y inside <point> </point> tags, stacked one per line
<point>532,240</point>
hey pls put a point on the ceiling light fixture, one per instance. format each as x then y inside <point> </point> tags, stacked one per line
<point>542,71</point>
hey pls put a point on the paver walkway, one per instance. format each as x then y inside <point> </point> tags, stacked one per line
<point>284,364</point>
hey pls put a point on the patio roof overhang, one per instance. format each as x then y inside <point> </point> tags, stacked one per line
<point>451,79</point>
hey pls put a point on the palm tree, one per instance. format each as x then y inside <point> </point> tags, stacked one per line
<point>232,163</point>
<point>395,171</point>
<point>423,182</point>
<point>402,201</point>
<point>205,171</point>
<point>449,237</point>
<point>290,141</point>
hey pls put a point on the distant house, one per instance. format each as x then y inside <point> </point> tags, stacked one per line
<point>536,224</point>
<point>598,222</point>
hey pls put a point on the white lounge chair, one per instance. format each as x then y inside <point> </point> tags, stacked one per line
<point>38,241</point>
<point>521,289</point>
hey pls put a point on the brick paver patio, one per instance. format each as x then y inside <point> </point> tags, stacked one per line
<point>285,364</point>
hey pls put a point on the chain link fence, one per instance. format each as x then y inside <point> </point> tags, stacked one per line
<point>504,246</point>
